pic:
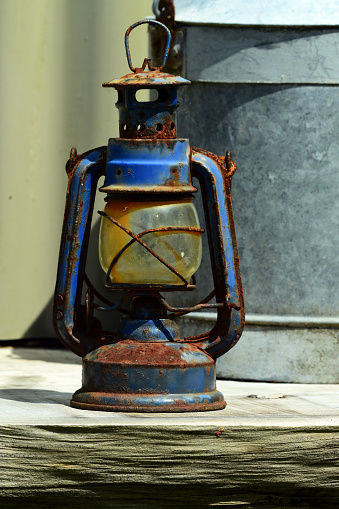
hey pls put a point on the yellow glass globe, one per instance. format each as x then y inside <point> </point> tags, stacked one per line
<point>180,249</point>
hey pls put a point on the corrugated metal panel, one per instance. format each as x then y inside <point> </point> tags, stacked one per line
<point>264,12</point>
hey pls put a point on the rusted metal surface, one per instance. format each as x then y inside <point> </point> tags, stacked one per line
<point>147,80</point>
<point>226,165</point>
<point>208,168</point>
<point>165,355</point>
<point>68,316</point>
<point>150,119</point>
<point>148,377</point>
<point>177,311</point>
<point>146,403</point>
<point>148,127</point>
<point>126,173</point>
<point>72,162</point>
<point>147,367</point>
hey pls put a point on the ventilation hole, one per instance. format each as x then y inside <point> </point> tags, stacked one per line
<point>141,127</point>
<point>172,126</point>
<point>146,95</point>
<point>159,127</point>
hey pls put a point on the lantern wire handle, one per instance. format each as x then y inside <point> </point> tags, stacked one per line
<point>128,52</point>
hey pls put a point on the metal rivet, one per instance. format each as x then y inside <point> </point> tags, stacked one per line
<point>60,315</point>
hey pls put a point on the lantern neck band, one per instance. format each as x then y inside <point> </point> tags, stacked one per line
<point>148,167</point>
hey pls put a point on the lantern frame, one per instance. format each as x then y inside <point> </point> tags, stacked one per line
<point>148,344</point>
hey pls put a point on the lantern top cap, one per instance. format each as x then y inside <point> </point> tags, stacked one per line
<point>146,80</point>
<point>154,77</point>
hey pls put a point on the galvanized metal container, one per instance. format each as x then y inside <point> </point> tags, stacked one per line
<point>265,85</point>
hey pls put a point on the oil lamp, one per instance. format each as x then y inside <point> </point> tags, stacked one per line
<point>150,243</point>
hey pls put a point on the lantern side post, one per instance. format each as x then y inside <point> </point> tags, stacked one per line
<point>83,173</point>
<point>214,180</point>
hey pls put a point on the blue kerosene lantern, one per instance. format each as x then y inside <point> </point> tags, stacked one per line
<point>150,242</point>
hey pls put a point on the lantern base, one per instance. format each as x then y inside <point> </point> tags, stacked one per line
<point>132,376</point>
<point>148,402</point>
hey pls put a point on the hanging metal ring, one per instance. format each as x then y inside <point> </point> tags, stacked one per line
<point>150,21</point>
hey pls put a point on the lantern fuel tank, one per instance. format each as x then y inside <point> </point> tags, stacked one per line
<point>149,244</point>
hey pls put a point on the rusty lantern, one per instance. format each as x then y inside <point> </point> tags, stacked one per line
<point>150,242</point>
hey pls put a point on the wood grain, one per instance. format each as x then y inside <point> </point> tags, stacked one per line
<point>247,461</point>
<point>137,461</point>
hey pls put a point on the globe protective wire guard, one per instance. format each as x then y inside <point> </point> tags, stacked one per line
<point>136,238</point>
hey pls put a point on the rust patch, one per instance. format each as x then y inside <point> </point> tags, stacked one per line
<point>226,165</point>
<point>147,79</point>
<point>166,129</point>
<point>176,406</point>
<point>129,353</point>
<point>71,166</point>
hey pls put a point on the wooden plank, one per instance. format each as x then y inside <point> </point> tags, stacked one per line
<point>251,462</point>
<point>278,445</point>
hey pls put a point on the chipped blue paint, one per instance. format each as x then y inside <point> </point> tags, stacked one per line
<point>147,366</point>
<point>222,242</point>
<point>147,165</point>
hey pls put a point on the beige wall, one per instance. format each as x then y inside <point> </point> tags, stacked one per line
<point>54,55</point>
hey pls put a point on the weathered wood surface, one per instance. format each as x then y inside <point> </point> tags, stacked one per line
<point>279,447</point>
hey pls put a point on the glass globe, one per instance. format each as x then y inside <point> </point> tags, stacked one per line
<point>180,249</point>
